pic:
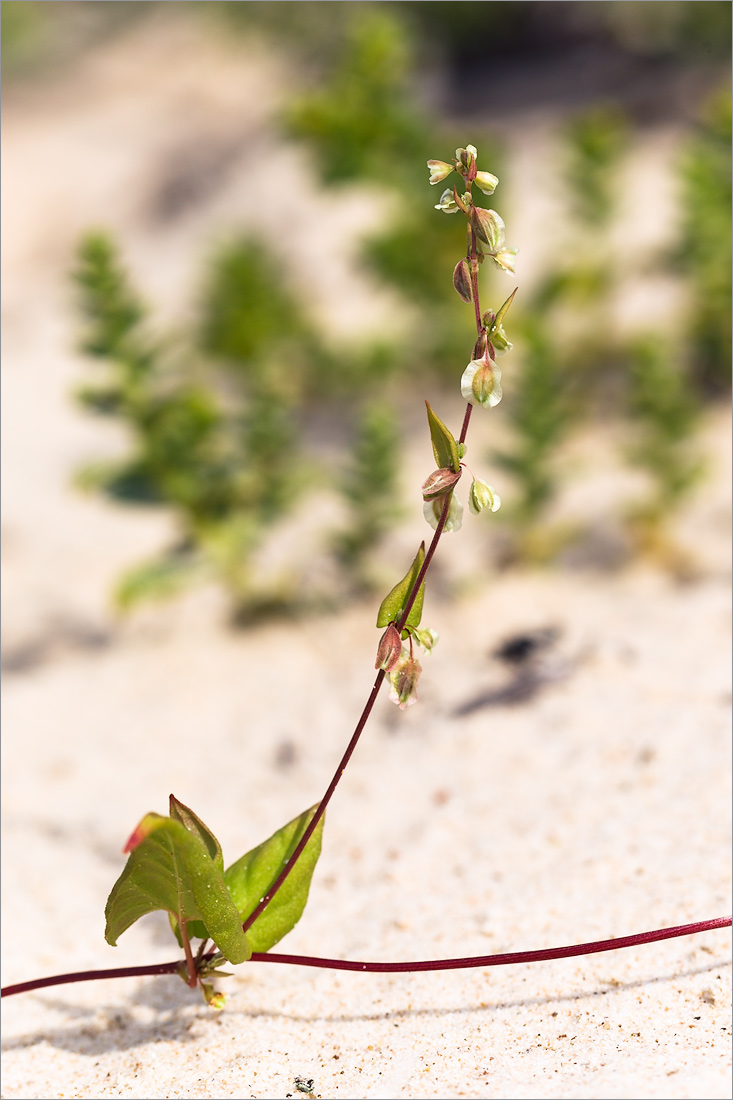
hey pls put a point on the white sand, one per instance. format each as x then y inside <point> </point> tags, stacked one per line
<point>598,809</point>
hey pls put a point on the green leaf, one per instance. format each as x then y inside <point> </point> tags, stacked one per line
<point>195,825</point>
<point>170,868</point>
<point>393,604</point>
<point>445,447</point>
<point>251,877</point>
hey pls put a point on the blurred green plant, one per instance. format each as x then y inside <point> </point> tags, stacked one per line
<point>538,412</point>
<point>566,339</point>
<point>219,440</point>
<point>370,489</point>
<point>665,408</point>
<point>666,413</point>
<point>706,244</point>
<point>363,124</point>
<point>596,141</point>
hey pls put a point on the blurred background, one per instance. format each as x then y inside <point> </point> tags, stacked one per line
<point>227,292</point>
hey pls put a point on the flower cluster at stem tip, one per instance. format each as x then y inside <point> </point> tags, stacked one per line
<point>481,380</point>
<point>480,385</point>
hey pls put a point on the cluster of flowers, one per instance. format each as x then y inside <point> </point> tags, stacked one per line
<point>480,385</point>
<point>486,224</point>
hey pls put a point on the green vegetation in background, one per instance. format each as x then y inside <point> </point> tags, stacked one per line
<point>219,441</point>
<point>370,488</point>
<point>564,339</point>
<point>538,412</point>
<point>666,412</point>
<point>362,123</point>
<point>706,244</point>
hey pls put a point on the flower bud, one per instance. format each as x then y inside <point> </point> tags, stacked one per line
<point>479,348</point>
<point>439,483</point>
<point>488,227</point>
<point>481,383</point>
<point>462,281</point>
<point>433,510</point>
<point>482,496</point>
<point>404,680</point>
<point>465,156</point>
<point>487,182</point>
<point>439,170</point>
<point>504,259</point>
<point>500,341</point>
<point>447,202</point>
<point>390,649</point>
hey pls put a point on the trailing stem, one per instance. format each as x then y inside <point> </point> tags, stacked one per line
<point>511,958</point>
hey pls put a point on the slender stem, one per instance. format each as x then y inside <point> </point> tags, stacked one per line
<point>474,283</point>
<point>321,809</point>
<point>190,961</point>
<point>509,959</point>
<point>466,422</point>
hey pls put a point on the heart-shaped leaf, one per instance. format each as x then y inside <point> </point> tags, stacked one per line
<point>170,867</point>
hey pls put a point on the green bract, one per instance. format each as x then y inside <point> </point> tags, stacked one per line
<point>445,447</point>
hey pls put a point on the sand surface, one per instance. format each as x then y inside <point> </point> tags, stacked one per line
<point>597,806</point>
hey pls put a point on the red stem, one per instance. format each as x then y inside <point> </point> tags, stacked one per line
<point>508,959</point>
<point>321,809</point>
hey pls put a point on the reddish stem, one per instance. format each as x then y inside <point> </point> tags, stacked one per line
<point>509,959</point>
<point>321,809</point>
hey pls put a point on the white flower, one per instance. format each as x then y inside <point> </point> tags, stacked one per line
<point>481,383</point>
<point>482,496</point>
<point>403,680</point>
<point>433,509</point>
<point>439,169</point>
<point>447,202</point>
<point>487,182</point>
<point>504,259</point>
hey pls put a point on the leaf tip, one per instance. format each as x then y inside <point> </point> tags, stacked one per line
<point>140,832</point>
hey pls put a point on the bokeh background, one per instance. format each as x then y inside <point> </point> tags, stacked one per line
<point>226,294</point>
<point>250,286</point>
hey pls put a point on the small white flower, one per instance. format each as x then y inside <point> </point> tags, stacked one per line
<point>403,680</point>
<point>439,169</point>
<point>487,182</point>
<point>481,383</point>
<point>482,496</point>
<point>447,202</point>
<point>433,510</point>
<point>427,638</point>
<point>504,259</point>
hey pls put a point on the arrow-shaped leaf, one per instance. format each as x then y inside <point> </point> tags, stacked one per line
<point>394,603</point>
